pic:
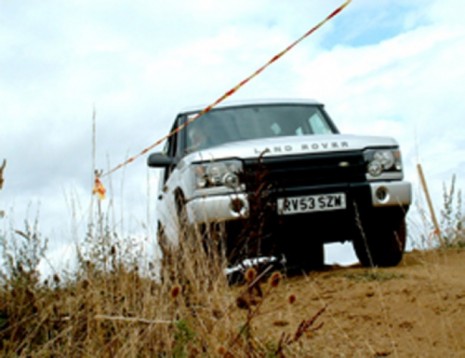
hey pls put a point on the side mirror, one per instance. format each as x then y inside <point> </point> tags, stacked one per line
<point>160,160</point>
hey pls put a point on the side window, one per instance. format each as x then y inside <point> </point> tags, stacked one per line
<point>165,149</point>
<point>171,148</point>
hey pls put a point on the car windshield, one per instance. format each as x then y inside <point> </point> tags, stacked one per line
<point>227,125</point>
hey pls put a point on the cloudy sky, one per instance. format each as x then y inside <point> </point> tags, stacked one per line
<point>385,67</point>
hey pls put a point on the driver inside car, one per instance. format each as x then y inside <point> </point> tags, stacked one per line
<point>197,139</point>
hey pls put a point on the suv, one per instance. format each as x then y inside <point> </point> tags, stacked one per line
<point>275,178</point>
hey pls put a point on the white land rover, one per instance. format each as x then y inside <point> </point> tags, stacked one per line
<point>278,179</point>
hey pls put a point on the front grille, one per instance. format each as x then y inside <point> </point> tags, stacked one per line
<point>306,170</point>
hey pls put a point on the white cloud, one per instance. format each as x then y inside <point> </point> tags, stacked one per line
<point>411,83</point>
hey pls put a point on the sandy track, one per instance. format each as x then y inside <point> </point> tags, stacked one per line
<point>414,310</point>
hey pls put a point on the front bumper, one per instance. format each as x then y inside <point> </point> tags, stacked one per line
<point>394,193</point>
<point>219,208</point>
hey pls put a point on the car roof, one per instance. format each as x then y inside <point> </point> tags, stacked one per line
<point>249,102</point>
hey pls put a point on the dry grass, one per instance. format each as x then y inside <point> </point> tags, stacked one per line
<point>109,307</point>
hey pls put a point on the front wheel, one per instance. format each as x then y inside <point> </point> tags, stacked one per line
<point>381,245</point>
<point>168,256</point>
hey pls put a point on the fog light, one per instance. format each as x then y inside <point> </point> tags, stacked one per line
<point>382,194</point>
<point>238,206</point>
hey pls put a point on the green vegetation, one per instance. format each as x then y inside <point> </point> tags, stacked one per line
<point>452,219</point>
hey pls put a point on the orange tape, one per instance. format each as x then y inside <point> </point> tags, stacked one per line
<point>99,189</point>
<point>220,99</point>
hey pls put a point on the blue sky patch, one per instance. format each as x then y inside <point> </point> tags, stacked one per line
<point>370,25</point>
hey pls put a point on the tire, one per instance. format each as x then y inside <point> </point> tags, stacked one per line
<point>194,239</point>
<point>381,245</point>
<point>168,257</point>
<point>181,212</point>
<point>162,240</point>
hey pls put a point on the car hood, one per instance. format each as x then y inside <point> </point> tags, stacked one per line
<point>295,145</point>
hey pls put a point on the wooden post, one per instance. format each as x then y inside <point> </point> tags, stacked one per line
<point>1,173</point>
<point>2,213</point>
<point>437,230</point>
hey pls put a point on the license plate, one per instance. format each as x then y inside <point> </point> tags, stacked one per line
<point>311,203</point>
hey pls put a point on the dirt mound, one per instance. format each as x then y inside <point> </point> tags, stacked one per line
<point>414,310</point>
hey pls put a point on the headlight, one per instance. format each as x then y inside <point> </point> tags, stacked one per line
<point>381,161</point>
<point>214,174</point>
<point>385,158</point>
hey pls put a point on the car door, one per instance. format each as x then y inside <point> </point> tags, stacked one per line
<point>168,182</point>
